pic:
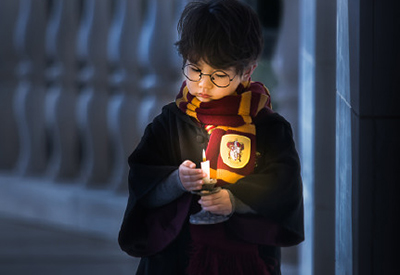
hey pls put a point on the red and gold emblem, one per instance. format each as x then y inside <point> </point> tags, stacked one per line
<point>235,150</point>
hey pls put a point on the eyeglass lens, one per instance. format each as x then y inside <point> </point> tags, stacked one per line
<point>219,78</point>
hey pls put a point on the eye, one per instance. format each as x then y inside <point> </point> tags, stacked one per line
<point>220,74</point>
<point>194,69</point>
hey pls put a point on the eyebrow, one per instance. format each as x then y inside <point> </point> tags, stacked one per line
<point>227,71</point>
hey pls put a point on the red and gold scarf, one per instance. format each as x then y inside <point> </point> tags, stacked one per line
<point>229,121</point>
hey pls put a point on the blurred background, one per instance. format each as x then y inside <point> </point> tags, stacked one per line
<point>80,80</point>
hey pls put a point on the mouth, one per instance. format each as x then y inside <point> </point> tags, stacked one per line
<point>203,95</point>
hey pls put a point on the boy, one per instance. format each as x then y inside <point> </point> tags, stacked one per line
<point>250,149</point>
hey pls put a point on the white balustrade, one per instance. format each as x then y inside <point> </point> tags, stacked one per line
<point>94,96</point>
<point>111,66</point>
<point>30,93</point>
<point>158,59</point>
<point>62,95</point>
<point>8,85</point>
<point>124,101</point>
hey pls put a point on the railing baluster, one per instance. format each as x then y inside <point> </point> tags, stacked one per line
<point>61,96</point>
<point>93,98</point>
<point>123,40</point>
<point>8,85</point>
<point>30,93</point>
<point>158,59</point>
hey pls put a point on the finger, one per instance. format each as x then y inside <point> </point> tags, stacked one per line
<point>208,201</point>
<point>195,176</point>
<point>192,180</point>
<point>217,209</point>
<point>205,200</point>
<point>198,186</point>
<point>212,197</point>
<point>193,184</point>
<point>189,164</point>
<point>190,169</point>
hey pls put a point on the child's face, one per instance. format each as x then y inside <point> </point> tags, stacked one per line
<point>205,90</point>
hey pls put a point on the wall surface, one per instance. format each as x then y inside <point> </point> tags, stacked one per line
<point>367,131</point>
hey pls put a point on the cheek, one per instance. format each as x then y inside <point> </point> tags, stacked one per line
<point>228,91</point>
<point>191,87</point>
<point>232,88</point>
<point>223,92</point>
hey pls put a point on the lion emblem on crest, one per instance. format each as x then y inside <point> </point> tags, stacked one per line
<point>235,150</point>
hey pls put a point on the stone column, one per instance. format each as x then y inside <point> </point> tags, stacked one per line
<point>317,133</point>
<point>343,227</point>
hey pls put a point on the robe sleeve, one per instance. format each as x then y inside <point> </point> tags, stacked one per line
<point>145,231</point>
<point>166,191</point>
<point>274,190</point>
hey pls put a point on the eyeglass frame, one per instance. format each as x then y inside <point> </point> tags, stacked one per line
<point>201,75</point>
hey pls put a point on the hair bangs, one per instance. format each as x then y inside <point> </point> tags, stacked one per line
<point>211,44</point>
<point>223,34</point>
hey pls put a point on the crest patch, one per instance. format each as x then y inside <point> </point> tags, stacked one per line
<point>235,150</point>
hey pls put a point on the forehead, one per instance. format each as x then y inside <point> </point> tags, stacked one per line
<point>205,67</point>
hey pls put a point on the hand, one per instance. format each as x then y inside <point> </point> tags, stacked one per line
<point>218,203</point>
<point>191,178</point>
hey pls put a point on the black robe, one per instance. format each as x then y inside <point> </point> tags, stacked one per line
<point>274,190</point>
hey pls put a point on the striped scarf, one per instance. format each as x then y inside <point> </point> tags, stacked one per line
<point>229,121</point>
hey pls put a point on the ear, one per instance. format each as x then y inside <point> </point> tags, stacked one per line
<point>249,71</point>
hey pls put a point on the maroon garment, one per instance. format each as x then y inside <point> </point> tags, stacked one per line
<point>216,253</point>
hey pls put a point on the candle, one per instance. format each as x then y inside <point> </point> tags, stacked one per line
<point>205,166</point>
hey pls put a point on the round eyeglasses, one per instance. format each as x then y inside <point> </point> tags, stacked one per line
<point>219,78</point>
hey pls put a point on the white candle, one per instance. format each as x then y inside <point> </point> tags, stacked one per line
<point>205,166</point>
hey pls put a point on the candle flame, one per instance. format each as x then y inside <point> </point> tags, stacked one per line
<point>204,155</point>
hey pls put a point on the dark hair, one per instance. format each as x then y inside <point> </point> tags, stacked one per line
<point>223,33</point>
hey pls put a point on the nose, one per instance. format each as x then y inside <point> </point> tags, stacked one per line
<point>205,81</point>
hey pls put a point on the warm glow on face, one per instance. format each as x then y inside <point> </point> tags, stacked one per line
<point>205,91</point>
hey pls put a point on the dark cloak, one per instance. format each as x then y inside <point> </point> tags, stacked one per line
<point>274,190</point>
